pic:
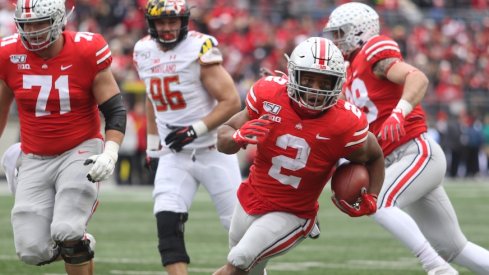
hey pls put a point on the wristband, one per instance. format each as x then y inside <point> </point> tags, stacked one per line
<point>404,106</point>
<point>112,149</point>
<point>153,142</point>
<point>200,128</point>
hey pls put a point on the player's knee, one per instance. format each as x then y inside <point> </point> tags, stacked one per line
<point>450,250</point>
<point>241,258</point>
<point>171,242</point>
<point>37,255</point>
<point>76,252</point>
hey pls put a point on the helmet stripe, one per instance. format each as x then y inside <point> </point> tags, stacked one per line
<point>322,51</point>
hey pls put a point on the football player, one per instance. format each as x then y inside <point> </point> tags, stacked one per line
<point>389,91</point>
<point>189,94</point>
<point>301,130</point>
<point>59,80</point>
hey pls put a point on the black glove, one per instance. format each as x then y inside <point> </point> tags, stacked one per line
<point>151,164</point>
<point>179,137</point>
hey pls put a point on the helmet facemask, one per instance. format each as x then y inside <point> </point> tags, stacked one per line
<point>52,13</point>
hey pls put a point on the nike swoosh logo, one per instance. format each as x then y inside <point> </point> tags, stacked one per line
<point>64,68</point>
<point>82,152</point>
<point>322,138</point>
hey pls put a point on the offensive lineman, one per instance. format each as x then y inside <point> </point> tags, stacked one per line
<point>301,131</point>
<point>59,80</point>
<point>189,95</point>
<point>390,91</point>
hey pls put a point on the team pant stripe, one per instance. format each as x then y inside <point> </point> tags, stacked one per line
<point>412,171</point>
<point>285,243</point>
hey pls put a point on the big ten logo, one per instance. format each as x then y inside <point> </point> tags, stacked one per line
<point>23,66</point>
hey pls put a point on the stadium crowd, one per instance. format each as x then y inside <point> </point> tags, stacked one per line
<point>447,39</point>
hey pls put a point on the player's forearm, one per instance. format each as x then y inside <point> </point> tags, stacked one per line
<point>415,87</point>
<point>225,142</point>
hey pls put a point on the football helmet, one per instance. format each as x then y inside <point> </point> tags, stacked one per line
<point>351,25</point>
<point>36,11</point>
<point>316,55</point>
<point>157,9</point>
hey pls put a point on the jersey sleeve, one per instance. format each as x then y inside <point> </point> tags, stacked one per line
<point>356,127</point>
<point>97,53</point>
<point>209,52</point>
<point>381,47</point>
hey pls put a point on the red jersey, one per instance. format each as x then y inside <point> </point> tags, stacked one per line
<point>294,163</point>
<point>56,107</point>
<point>377,97</point>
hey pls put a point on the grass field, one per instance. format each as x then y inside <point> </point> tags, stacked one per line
<point>126,238</point>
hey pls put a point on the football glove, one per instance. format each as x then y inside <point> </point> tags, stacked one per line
<point>253,131</point>
<point>179,137</point>
<point>151,165</point>
<point>393,127</point>
<point>103,164</point>
<point>366,205</point>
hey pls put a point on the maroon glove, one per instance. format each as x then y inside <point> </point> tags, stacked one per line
<point>366,205</point>
<point>253,131</point>
<point>393,127</point>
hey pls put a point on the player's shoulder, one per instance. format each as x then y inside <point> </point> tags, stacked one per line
<point>269,86</point>
<point>144,43</point>
<point>347,116</point>
<point>381,47</point>
<point>87,43</point>
<point>11,45</point>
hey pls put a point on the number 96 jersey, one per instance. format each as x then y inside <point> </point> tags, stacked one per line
<point>57,109</point>
<point>295,162</point>
<point>172,80</point>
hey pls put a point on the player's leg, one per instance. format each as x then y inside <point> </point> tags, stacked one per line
<point>436,217</point>
<point>402,187</point>
<point>220,175</point>
<point>76,201</point>
<point>10,162</point>
<point>33,208</point>
<point>268,236</point>
<point>173,193</point>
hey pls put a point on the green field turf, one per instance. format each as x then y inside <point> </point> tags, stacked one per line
<point>126,238</point>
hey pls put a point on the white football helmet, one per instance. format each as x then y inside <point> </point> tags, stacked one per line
<point>34,11</point>
<point>317,55</point>
<point>351,25</point>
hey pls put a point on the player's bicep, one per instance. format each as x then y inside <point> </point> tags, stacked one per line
<point>370,149</point>
<point>104,86</point>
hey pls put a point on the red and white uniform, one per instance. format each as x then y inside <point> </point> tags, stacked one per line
<point>295,161</point>
<point>56,107</point>
<point>377,97</point>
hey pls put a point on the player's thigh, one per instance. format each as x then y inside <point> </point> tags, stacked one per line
<point>268,236</point>
<point>240,223</point>
<point>220,175</point>
<point>412,170</point>
<point>175,186</point>
<point>76,196</point>
<point>436,218</point>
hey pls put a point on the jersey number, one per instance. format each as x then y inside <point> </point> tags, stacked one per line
<point>45,82</point>
<point>162,95</point>
<point>358,95</point>
<point>293,164</point>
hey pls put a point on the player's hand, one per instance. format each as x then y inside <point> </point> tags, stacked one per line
<point>179,137</point>
<point>393,127</point>
<point>366,205</point>
<point>103,166</point>
<point>151,164</point>
<point>253,131</point>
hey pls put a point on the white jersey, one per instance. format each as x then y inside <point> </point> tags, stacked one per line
<point>173,84</point>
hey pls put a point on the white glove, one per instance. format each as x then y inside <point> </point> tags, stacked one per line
<point>103,164</point>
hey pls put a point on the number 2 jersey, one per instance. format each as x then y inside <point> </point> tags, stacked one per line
<point>172,80</point>
<point>56,107</point>
<point>297,158</point>
<point>377,97</point>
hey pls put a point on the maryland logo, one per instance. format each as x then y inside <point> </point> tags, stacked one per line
<point>208,44</point>
<point>166,7</point>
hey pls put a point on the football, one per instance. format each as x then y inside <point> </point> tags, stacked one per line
<point>348,180</point>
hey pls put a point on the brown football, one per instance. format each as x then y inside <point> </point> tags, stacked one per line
<point>348,180</point>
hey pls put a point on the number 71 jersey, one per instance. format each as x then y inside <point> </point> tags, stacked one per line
<point>57,109</point>
<point>295,161</point>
